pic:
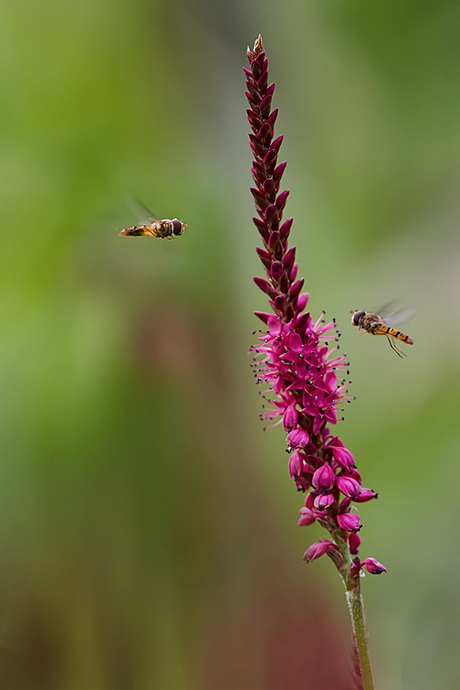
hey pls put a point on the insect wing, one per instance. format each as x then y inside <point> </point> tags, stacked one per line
<point>389,308</point>
<point>142,212</point>
<point>398,317</point>
<point>392,313</point>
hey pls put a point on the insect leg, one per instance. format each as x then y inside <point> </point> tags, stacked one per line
<point>394,347</point>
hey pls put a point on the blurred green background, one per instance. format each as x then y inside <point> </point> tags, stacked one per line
<point>147,526</point>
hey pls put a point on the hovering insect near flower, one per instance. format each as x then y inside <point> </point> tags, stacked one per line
<point>382,325</point>
<point>155,227</point>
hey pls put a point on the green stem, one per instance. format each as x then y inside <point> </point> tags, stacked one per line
<point>355,604</point>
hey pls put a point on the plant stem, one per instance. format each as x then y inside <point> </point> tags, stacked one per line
<point>355,604</point>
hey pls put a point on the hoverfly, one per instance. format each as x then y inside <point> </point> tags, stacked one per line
<point>155,227</point>
<point>382,325</point>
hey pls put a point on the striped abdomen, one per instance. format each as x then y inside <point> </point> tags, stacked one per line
<point>386,330</point>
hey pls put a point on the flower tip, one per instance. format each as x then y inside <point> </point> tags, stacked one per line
<point>258,46</point>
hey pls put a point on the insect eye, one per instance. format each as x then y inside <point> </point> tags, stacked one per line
<point>177,227</point>
<point>356,318</point>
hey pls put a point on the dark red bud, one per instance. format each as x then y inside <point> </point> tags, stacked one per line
<point>280,303</point>
<point>264,255</point>
<point>270,158</point>
<point>260,168</point>
<point>272,118</point>
<point>274,239</point>
<point>254,101</point>
<point>265,134</point>
<point>279,170</point>
<point>270,212</point>
<point>289,258</point>
<point>254,120</point>
<point>296,288</point>
<point>257,145</point>
<point>283,283</point>
<point>254,95</point>
<point>261,227</point>
<point>265,286</point>
<point>281,199</point>
<point>263,81</point>
<point>259,198</point>
<point>276,270</point>
<point>256,177</point>
<point>276,143</point>
<point>285,229</point>
<point>268,187</point>
<point>265,105</point>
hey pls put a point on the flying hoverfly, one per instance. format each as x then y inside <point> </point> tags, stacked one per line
<point>383,324</point>
<point>152,225</point>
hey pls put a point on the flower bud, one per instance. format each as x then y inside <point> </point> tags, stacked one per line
<point>290,417</point>
<point>295,465</point>
<point>350,522</point>
<point>306,517</point>
<point>298,438</point>
<point>323,501</point>
<point>365,495</point>
<point>344,458</point>
<point>324,478</point>
<point>348,486</point>
<point>354,542</point>
<point>309,500</point>
<point>317,549</point>
<point>373,567</point>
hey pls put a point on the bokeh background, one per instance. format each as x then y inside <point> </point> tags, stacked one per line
<point>147,525</point>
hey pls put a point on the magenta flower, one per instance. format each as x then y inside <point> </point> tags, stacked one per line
<point>297,358</point>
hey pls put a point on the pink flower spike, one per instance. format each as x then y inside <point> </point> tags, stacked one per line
<point>350,522</point>
<point>373,567</point>
<point>306,517</point>
<point>324,478</point>
<point>317,549</point>
<point>343,457</point>
<point>303,373</point>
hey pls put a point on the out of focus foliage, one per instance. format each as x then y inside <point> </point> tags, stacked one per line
<point>147,526</point>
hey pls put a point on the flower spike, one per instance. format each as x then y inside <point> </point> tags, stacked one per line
<point>297,361</point>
